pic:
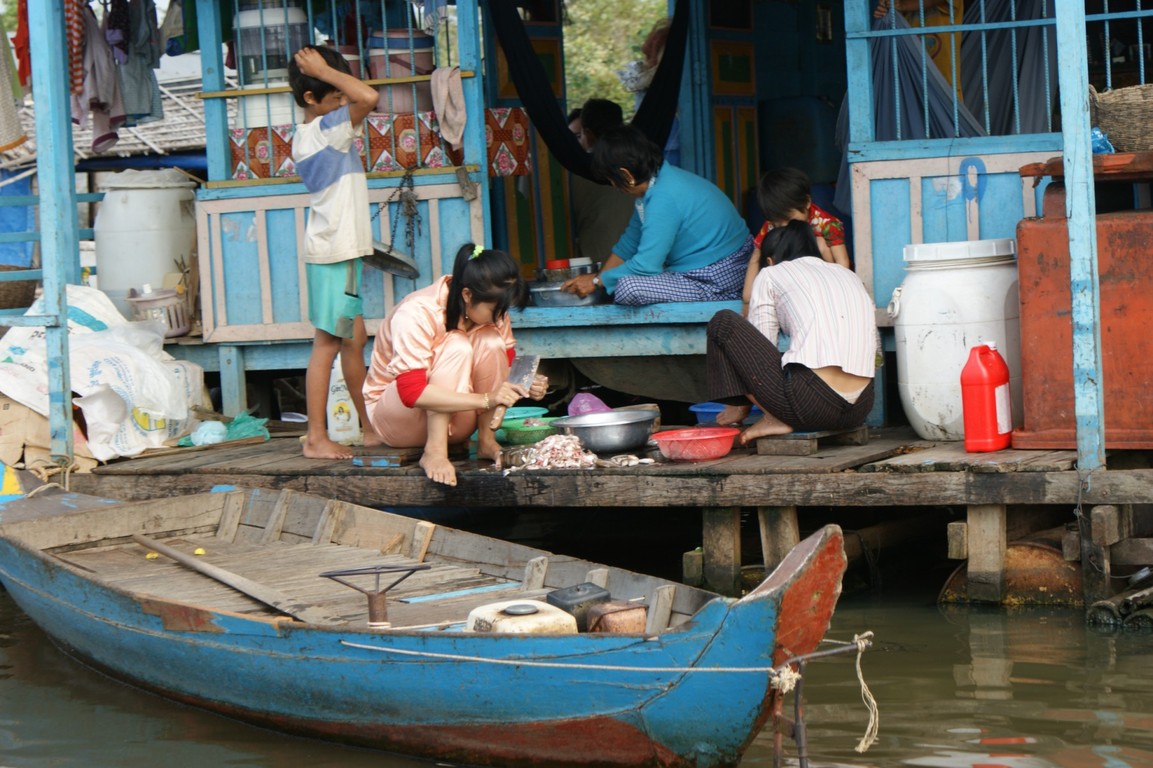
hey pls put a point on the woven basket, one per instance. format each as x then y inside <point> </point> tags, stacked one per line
<point>1125,115</point>
<point>16,294</point>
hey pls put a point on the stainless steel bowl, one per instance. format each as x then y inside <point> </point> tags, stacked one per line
<point>550,295</point>
<point>611,431</point>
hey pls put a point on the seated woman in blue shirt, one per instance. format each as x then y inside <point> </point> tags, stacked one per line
<point>685,240</point>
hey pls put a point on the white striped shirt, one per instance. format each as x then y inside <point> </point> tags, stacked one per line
<point>825,311</point>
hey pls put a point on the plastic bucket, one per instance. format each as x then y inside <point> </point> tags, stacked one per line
<point>954,296</point>
<point>399,55</point>
<point>266,109</point>
<point>144,226</point>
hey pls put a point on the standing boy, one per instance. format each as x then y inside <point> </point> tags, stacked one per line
<point>339,232</point>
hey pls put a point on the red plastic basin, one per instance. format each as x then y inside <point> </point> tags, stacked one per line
<point>699,444</point>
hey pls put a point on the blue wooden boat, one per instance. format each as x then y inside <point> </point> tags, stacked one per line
<point>328,619</point>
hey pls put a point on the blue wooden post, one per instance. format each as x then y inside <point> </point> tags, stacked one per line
<point>1081,209</point>
<point>859,68</point>
<point>208,19</point>
<point>468,27</point>
<point>59,236</point>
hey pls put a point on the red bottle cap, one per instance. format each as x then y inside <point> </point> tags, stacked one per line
<point>556,264</point>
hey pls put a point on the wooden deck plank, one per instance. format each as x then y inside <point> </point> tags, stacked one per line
<point>952,457</point>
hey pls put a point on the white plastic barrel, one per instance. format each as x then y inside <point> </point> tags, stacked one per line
<point>144,226</point>
<point>954,296</point>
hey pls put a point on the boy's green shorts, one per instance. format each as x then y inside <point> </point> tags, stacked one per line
<point>334,296</point>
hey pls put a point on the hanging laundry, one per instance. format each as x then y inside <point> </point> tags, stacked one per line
<point>11,131</point>
<point>172,29</point>
<point>138,84</point>
<point>22,45</point>
<point>74,30</point>
<point>101,92</point>
<point>118,29</point>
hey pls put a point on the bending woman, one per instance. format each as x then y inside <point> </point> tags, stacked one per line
<point>440,361</point>
<point>685,240</point>
<point>825,379</point>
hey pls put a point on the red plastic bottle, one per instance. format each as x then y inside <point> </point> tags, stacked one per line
<point>985,403</point>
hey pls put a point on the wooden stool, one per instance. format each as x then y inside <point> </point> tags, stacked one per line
<point>808,443</point>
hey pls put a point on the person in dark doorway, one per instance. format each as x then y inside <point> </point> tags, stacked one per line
<point>600,213</point>
<point>825,379</point>
<point>685,240</point>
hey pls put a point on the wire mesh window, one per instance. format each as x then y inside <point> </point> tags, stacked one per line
<point>955,68</point>
<point>391,44</point>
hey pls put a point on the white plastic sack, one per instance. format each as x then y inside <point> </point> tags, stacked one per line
<point>134,395</point>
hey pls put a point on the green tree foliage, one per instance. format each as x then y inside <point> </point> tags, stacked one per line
<point>602,37</point>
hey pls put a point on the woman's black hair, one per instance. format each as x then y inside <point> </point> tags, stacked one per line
<point>490,275</point>
<point>627,147</point>
<point>302,83</point>
<point>782,190</point>
<point>794,240</point>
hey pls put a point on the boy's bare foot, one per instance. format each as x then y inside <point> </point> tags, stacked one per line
<point>733,414</point>
<point>767,425</point>
<point>325,449</point>
<point>438,469</point>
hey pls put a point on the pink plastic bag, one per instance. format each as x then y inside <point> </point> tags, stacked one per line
<point>585,402</point>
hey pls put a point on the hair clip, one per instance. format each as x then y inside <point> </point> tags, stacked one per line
<point>476,251</point>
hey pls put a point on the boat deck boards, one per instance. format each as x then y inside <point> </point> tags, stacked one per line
<point>294,569</point>
<point>894,469</point>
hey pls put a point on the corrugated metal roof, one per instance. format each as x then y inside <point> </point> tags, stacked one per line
<point>181,130</point>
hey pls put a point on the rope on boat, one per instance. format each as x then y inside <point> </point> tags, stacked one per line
<point>45,470</point>
<point>42,488</point>
<point>774,671</point>
<point>862,642</point>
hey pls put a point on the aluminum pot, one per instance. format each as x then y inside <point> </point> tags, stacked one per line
<point>610,431</point>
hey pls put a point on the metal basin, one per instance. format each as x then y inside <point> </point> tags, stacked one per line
<point>609,432</point>
<point>550,295</point>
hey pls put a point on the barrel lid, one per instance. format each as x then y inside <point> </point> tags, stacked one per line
<point>967,251</point>
<point>165,178</point>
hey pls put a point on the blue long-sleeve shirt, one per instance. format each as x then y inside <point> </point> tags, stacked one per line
<point>682,222</point>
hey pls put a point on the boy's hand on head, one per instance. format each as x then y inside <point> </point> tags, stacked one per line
<point>310,62</point>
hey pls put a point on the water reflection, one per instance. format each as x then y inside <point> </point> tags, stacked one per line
<point>955,687</point>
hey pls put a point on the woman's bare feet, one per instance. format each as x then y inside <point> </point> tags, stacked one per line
<point>487,448</point>
<point>324,448</point>
<point>733,414</point>
<point>371,439</point>
<point>438,469</point>
<point>767,425</point>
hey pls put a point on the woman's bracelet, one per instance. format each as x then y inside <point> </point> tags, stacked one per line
<point>485,407</point>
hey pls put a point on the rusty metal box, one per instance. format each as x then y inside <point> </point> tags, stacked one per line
<point>577,600</point>
<point>1126,290</point>
<point>617,616</point>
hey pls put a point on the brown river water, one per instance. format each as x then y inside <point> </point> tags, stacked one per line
<point>969,686</point>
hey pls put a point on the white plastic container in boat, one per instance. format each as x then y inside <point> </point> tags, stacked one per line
<point>527,617</point>
<point>954,296</point>
<point>144,226</point>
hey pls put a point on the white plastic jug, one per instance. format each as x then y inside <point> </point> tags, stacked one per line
<point>343,420</point>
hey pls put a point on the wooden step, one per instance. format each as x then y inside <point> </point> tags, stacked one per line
<point>808,443</point>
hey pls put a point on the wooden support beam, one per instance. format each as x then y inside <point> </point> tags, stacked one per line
<point>958,536</point>
<point>779,534</point>
<point>986,545</point>
<point>721,546</point>
<point>1096,565</point>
